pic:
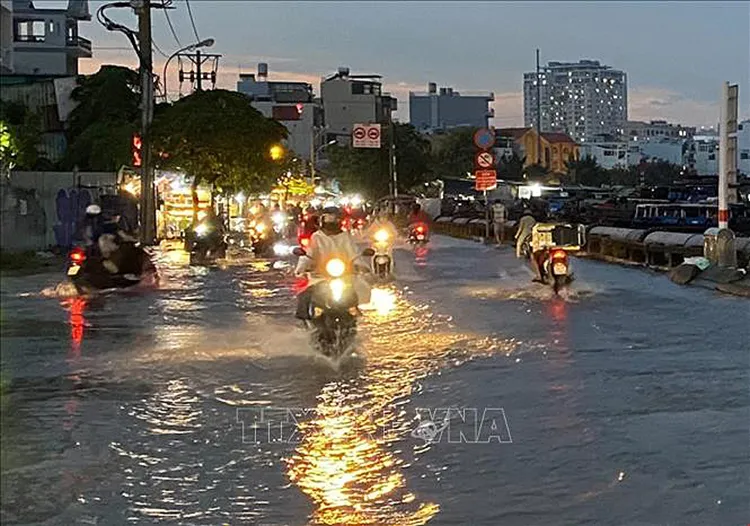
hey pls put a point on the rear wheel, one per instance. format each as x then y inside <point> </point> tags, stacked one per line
<point>559,283</point>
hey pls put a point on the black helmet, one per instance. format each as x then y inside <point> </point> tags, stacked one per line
<point>330,220</point>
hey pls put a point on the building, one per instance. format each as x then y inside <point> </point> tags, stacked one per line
<point>668,149</point>
<point>583,99</point>
<point>6,36</point>
<point>446,109</point>
<point>352,99</point>
<point>556,148</point>
<point>610,152</point>
<point>702,155</point>
<point>46,41</point>
<point>743,147</point>
<point>656,131</point>
<point>291,103</point>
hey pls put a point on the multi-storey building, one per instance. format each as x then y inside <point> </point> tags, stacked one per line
<point>291,103</point>
<point>46,42</point>
<point>352,99</point>
<point>583,99</point>
<point>445,109</point>
<point>656,131</point>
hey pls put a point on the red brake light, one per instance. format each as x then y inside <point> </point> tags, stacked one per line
<point>77,256</point>
<point>305,242</point>
<point>559,254</point>
<point>420,229</point>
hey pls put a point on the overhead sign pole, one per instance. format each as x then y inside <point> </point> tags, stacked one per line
<point>485,176</point>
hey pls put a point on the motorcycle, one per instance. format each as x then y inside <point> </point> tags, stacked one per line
<point>207,247</point>
<point>550,244</point>
<point>334,307</point>
<point>382,259</point>
<point>418,234</point>
<point>88,271</point>
<point>261,238</point>
<point>555,268</point>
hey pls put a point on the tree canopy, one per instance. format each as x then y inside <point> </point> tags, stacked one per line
<point>101,126</point>
<point>454,153</point>
<point>20,137</point>
<point>367,171</point>
<point>218,138</point>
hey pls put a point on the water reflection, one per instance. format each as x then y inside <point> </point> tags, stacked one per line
<point>348,459</point>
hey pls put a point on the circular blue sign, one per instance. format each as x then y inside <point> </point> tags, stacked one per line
<point>484,138</point>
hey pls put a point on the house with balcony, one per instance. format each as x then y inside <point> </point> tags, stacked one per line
<point>46,42</point>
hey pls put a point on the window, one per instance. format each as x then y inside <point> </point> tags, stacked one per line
<point>358,88</point>
<point>30,31</point>
<point>744,155</point>
<point>286,113</point>
<point>712,157</point>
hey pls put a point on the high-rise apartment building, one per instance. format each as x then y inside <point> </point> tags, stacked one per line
<point>583,99</point>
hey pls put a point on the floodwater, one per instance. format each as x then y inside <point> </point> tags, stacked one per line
<point>474,397</point>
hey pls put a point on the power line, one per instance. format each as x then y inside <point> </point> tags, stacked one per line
<point>158,49</point>
<point>174,33</point>
<point>192,21</point>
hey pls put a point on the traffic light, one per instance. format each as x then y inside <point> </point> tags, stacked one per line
<point>137,154</point>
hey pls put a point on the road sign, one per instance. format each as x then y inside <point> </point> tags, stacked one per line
<point>484,161</point>
<point>484,138</point>
<point>485,180</point>
<point>366,136</point>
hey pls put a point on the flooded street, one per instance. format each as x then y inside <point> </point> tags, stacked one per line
<point>624,402</point>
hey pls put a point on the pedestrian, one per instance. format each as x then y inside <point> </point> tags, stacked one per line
<point>499,216</point>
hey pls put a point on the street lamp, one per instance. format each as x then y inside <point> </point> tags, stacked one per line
<point>314,155</point>
<point>192,47</point>
<point>277,152</point>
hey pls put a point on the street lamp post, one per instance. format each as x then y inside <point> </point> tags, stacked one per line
<point>313,157</point>
<point>203,43</point>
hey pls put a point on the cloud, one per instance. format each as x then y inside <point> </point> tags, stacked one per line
<point>647,103</point>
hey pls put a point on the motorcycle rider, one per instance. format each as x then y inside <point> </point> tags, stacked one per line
<point>523,234</point>
<point>328,242</point>
<point>417,215</point>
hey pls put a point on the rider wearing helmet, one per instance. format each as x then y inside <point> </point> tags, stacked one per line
<point>330,241</point>
<point>418,215</point>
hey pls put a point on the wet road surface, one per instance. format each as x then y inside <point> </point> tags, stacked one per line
<point>474,397</point>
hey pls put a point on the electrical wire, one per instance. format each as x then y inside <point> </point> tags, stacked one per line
<point>169,21</point>
<point>192,21</point>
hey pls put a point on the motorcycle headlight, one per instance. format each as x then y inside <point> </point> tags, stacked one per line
<point>381,236</point>
<point>260,227</point>
<point>202,229</point>
<point>337,289</point>
<point>335,268</point>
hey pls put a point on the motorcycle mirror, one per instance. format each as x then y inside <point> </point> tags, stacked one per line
<point>368,252</point>
<point>299,251</point>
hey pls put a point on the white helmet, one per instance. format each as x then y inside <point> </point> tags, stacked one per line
<point>93,210</point>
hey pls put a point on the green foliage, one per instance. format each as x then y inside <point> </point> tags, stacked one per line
<point>367,171</point>
<point>101,126</point>
<point>20,131</point>
<point>454,153</point>
<point>511,167</point>
<point>219,138</point>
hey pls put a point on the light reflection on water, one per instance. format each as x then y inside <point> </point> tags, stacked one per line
<point>348,460</point>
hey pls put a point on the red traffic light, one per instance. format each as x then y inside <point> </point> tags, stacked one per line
<point>137,150</point>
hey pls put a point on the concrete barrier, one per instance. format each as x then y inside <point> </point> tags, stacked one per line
<point>652,248</point>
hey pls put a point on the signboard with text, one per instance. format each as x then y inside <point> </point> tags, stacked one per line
<point>485,180</point>
<point>366,136</point>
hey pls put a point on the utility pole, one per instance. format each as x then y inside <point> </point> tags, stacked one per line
<point>148,209</point>
<point>198,69</point>
<point>392,155</point>
<point>538,112</point>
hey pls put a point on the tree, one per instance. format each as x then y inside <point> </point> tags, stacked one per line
<point>510,167</point>
<point>454,153</point>
<point>20,129</point>
<point>586,172</point>
<point>101,126</point>
<point>536,173</point>
<point>218,138</point>
<point>367,171</point>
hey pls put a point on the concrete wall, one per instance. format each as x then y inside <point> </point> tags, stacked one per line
<point>6,35</point>
<point>300,132</point>
<point>54,203</point>
<point>343,109</point>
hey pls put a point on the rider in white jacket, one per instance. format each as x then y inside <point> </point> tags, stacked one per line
<point>327,243</point>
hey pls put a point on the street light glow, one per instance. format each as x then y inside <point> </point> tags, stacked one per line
<point>277,152</point>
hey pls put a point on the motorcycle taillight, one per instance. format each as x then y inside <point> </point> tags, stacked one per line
<point>559,254</point>
<point>78,256</point>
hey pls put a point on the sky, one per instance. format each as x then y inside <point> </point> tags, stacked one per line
<point>676,54</point>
